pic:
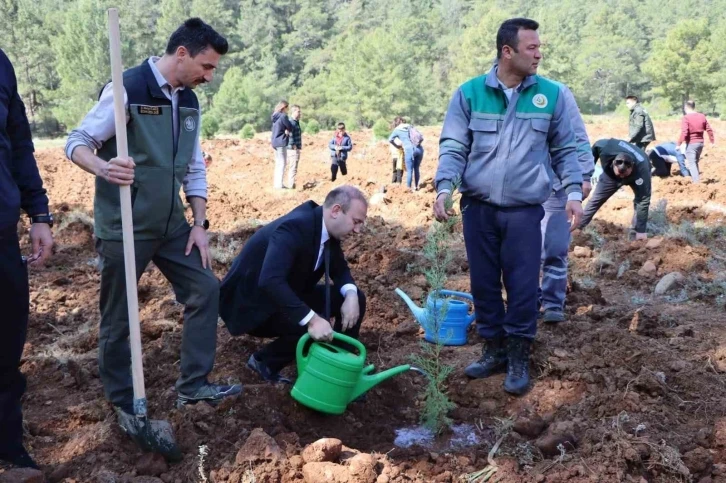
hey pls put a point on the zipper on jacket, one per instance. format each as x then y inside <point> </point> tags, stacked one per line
<point>173,163</point>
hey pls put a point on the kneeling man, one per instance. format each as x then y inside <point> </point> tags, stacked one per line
<point>272,289</point>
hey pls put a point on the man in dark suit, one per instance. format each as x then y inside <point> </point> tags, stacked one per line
<point>272,288</point>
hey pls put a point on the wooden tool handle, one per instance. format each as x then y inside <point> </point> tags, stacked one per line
<point>127,225</point>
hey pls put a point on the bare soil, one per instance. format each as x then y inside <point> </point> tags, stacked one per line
<point>631,388</point>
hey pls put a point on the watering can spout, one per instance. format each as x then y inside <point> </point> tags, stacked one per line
<point>367,381</point>
<point>417,311</point>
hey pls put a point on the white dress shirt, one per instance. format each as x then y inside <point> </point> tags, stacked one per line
<point>325,236</point>
<point>99,126</point>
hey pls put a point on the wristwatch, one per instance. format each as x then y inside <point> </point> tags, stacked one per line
<point>46,218</point>
<point>204,224</point>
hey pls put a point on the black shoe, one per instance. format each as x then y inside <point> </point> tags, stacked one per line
<point>517,380</point>
<point>209,393</point>
<point>265,372</point>
<point>20,458</point>
<point>492,361</point>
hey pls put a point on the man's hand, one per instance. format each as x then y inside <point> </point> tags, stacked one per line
<point>440,207</point>
<point>42,240</point>
<point>641,236</point>
<point>574,214</point>
<point>350,310</point>
<point>586,189</point>
<point>320,329</point>
<point>198,237</point>
<point>118,171</point>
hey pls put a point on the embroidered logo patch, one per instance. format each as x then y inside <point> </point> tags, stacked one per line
<point>540,100</point>
<point>639,181</point>
<point>190,124</point>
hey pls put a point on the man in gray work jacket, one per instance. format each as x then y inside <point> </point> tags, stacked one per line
<point>163,120</point>
<point>506,136</point>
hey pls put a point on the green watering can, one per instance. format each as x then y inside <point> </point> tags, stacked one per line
<point>329,377</point>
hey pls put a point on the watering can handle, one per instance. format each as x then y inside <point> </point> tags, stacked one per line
<point>463,295</point>
<point>354,342</point>
<point>303,359</point>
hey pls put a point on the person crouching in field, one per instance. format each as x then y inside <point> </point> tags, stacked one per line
<point>339,147</point>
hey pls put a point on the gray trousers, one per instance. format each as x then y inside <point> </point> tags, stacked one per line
<point>604,189</point>
<point>693,156</point>
<point>195,287</point>
<point>280,165</point>
<point>555,243</point>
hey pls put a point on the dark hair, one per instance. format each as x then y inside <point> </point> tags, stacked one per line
<point>341,125</point>
<point>508,33</point>
<point>195,36</point>
<point>281,105</point>
<point>625,160</point>
<point>398,121</point>
<point>343,196</point>
<point>691,104</point>
<point>632,98</point>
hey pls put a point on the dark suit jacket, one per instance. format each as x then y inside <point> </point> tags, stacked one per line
<point>275,267</point>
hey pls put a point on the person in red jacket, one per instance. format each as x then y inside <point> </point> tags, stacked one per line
<point>693,125</point>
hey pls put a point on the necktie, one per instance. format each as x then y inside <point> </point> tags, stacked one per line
<point>326,258</point>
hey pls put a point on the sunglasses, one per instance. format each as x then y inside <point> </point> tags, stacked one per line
<point>621,163</point>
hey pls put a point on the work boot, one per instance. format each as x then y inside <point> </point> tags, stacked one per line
<point>517,380</point>
<point>19,458</point>
<point>209,393</point>
<point>492,360</point>
<point>553,316</point>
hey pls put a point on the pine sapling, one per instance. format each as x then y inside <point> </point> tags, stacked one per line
<point>438,257</point>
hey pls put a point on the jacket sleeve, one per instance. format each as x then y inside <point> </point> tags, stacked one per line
<point>276,267</point>
<point>393,136</point>
<point>584,153</point>
<point>454,144</point>
<point>637,127</point>
<point>347,144</point>
<point>710,132</point>
<point>563,152</point>
<point>641,203</point>
<point>339,270</point>
<point>33,199</point>
<point>684,131</point>
<point>597,150</point>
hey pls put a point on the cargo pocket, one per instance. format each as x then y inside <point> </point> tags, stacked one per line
<point>484,134</point>
<point>540,129</point>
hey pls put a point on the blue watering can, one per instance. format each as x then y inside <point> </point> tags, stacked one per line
<point>452,330</point>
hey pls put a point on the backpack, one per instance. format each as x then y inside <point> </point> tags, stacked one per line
<point>415,136</point>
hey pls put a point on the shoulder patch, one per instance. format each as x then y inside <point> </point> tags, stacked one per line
<point>639,181</point>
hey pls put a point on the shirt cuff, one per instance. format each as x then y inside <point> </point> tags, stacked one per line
<point>574,196</point>
<point>307,318</point>
<point>348,286</point>
<point>447,191</point>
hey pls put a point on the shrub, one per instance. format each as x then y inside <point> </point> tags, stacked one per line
<point>247,132</point>
<point>381,129</point>
<point>210,127</point>
<point>312,127</point>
